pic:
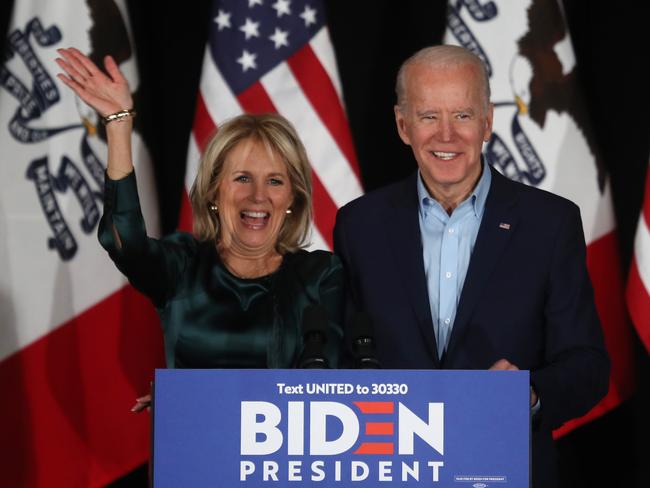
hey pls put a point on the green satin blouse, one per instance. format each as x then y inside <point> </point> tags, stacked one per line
<point>210,317</point>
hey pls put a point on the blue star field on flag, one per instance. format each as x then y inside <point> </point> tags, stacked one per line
<point>249,38</point>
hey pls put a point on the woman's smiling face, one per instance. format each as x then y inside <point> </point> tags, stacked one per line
<point>252,198</point>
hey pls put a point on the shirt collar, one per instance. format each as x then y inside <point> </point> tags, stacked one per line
<point>478,195</point>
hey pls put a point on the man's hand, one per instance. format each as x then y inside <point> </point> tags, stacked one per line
<point>505,365</point>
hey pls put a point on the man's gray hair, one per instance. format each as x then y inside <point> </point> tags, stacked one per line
<point>442,56</point>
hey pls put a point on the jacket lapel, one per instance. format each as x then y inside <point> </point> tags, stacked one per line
<point>498,225</point>
<point>405,241</point>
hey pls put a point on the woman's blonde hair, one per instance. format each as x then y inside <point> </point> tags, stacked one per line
<point>278,135</point>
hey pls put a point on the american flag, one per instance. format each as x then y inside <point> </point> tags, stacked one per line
<point>638,286</point>
<point>276,56</point>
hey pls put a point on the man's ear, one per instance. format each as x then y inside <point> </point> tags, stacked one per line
<point>487,133</point>
<point>400,121</point>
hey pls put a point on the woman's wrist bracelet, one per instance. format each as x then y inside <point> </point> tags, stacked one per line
<point>121,115</point>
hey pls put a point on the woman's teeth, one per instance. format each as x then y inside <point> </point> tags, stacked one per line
<point>255,215</point>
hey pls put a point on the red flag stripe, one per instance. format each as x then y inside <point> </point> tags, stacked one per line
<point>185,216</point>
<point>319,90</point>
<point>604,271</point>
<point>324,210</point>
<point>67,424</point>
<point>202,130</point>
<point>255,100</point>
<point>204,127</point>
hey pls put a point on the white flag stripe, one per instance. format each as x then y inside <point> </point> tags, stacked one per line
<point>219,100</point>
<point>642,252</point>
<point>328,161</point>
<point>598,219</point>
<point>322,47</point>
<point>316,240</point>
<point>193,157</point>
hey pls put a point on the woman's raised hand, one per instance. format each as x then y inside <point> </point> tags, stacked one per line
<point>106,94</point>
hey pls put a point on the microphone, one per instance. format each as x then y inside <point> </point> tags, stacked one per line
<point>314,337</point>
<point>363,345</point>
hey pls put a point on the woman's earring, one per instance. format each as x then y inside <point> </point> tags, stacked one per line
<point>214,208</point>
<point>288,211</point>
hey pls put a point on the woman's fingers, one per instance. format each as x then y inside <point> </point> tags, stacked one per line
<point>142,403</point>
<point>85,62</point>
<point>106,94</point>
<point>70,70</point>
<point>113,70</point>
<point>77,88</point>
<point>72,81</point>
<point>83,70</point>
<point>75,65</point>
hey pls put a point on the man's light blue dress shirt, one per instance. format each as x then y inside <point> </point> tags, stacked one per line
<point>447,245</point>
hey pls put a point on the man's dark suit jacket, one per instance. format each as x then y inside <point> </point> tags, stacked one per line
<point>527,297</point>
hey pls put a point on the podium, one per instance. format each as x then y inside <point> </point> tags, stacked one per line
<point>338,428</point>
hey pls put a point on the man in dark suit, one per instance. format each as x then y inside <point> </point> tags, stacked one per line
<point>461,268</point>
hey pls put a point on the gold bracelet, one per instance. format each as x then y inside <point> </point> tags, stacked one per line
<point>121,115</point>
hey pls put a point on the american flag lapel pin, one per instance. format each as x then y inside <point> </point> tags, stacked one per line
<point>505,226</point>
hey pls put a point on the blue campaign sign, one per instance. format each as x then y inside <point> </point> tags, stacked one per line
<point>263,428</point>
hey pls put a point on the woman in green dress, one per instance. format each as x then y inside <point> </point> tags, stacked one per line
<point>232,294</point>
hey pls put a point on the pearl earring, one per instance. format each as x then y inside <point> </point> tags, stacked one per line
<point>288,211</point>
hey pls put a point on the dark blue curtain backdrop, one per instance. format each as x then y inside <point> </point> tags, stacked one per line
<point>371,38</point>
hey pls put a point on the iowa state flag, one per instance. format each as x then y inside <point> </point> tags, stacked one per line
<point>77,345</point>
<point>277,57</point>
<point>542,138</point>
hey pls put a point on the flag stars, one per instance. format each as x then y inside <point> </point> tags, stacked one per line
<point>250,29</point>
<point>308,15</point>
<point>247,61</point>
<point>279,38</point>
<point>282,7</point>
<point>252,3</point>
<point>223,20</point>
